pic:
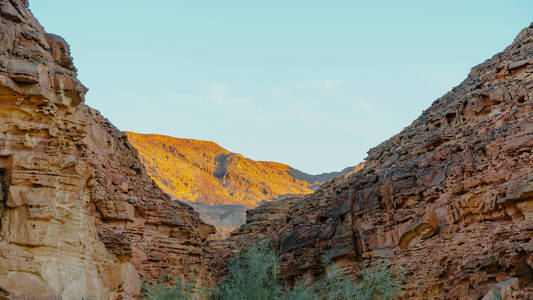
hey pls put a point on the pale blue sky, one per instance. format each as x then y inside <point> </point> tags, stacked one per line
<point>314,84</point>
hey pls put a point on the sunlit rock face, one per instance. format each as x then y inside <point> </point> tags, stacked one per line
<point>204,172</point>
<point>219,184</point>
<point>449,199</point>
<point>79,216</point>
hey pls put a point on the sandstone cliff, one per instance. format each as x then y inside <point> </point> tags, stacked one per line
<point>449,199</point>
<point>218,183</point>
<point>80,217</point>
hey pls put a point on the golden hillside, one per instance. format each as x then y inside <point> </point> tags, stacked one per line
<point>204,172</point>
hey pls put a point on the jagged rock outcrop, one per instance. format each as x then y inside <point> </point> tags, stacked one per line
<point>218,183</point>
<point>449,199</point>
<point>80,217</point>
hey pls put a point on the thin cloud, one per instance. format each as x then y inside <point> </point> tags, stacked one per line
<point>439,78</point>
<point>366,107</point>
<point>327,84</point>
<point>220,93</point>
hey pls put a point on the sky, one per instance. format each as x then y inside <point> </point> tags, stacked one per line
<point>314,84</point>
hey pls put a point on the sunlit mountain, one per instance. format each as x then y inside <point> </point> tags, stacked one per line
<point>220,184</point>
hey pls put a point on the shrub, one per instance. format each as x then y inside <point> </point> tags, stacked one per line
<point>376,283</point>
<point>178,290</point>
<point>253,275</point>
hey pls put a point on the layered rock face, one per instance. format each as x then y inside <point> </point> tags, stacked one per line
<point>449,199</point>
<point>80,217</point>
<point>218,183</point>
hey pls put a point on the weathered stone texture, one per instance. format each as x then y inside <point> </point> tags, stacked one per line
<point>79,216</point>
<point>449,199</point>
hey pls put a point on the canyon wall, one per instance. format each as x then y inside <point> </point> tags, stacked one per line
<point>449,199</point>
<point>79,216</point>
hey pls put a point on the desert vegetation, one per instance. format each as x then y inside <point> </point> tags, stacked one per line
<point>254,275</point>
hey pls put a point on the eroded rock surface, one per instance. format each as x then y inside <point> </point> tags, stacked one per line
<point>449,199</point>
<point>79,216</point>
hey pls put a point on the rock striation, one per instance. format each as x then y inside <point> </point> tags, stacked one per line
<point>79,215</point>
<point>449,199</point>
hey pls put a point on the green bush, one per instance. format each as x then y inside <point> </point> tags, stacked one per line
<point>178,290</point>
<point>301,290</point>
<point>253,275</point>
<point>376,283</point>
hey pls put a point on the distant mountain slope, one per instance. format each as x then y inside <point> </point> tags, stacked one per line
<point>202,172</point>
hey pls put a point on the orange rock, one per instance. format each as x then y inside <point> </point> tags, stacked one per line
<point>216,182</point>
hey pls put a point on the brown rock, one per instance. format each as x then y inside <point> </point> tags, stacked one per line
<point>60,51</point>
<point>22,71</point>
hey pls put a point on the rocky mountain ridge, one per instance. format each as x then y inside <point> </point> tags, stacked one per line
<point>220,184</point>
